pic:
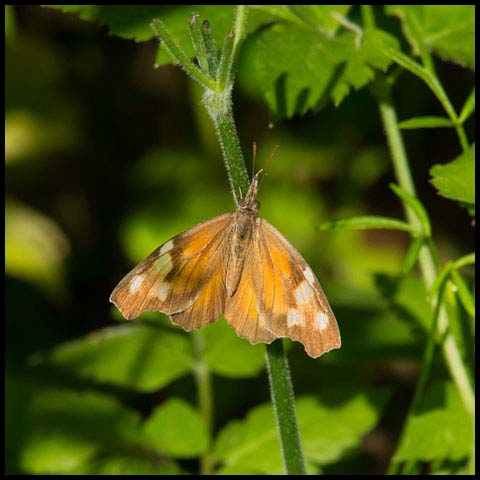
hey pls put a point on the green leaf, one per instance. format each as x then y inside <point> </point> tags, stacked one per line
<point>448,30</point>
<point>317,17</point>
<point>367,222</point>
<point>329,427</point>
<point>415,204</point>
<point>177,429</point>
<point>59,430</point>
<point>236,470</point>
<point>129,460</point>
<point>35,248</point>
<point>140,357</point>
<point>133,22</point>
<point>300,69</point>
<point>412,254</point>
<point>426,122</point>
<point>465,260</point>
<point>442,429</point>
<point>456,180</point>
<point>468,107</point>
<point>229,355</point>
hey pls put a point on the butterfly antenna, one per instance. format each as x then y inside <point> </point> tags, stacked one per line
<point>267,168</point>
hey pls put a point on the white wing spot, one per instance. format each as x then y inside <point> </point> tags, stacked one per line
<point>166,247</point>
<point>136,283</point>
<point>322,320</point>
<point>163,290</point>
<point>303,293</point>
<point>309,275</point>
<point>164,265</point>
<point>294,317</point>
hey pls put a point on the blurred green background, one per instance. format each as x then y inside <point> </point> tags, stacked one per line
<point>107,158</point>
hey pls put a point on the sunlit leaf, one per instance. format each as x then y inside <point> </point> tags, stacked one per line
<point>327,428</point>
<point>229,355</point>
<point>175,428</point>
<point>131,460</point>
<point>140,357</point>
<point>57,431</point>
<point>442,429</point>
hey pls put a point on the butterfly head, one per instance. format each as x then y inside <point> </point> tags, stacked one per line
<point>250,203</point>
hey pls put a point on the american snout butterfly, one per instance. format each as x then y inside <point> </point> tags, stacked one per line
<point>237,264</point>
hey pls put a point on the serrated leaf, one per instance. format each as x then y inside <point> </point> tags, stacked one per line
<point>442,429</point>
<point>367,222</point>
<point>229,355</point>
<point>139,357</point>
<point>60,430</point>
<point>426,122</point>
<point>456,180</point>
<point>133,21</point>
<point>175,428</point>
<point>318,17</point>
<point>300,69</point>
<point>448,30</point>
<point>328,428</point>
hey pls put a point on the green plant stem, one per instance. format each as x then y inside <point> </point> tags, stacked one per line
<point>281,390</point>
<point>217,100</point>
<point>219,106</point>
<point>205,398</point>
<point>427,265</point>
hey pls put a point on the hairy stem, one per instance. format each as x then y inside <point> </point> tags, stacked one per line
<point>281,390</point>
<point>218,102</point>
<point>219,106</point>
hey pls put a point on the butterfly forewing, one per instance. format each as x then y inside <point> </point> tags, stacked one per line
<point>173,277</point>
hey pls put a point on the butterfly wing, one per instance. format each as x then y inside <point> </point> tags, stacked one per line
<point>279,294</point>
<point>185,274</point>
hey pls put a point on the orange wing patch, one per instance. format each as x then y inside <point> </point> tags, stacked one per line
<point>241,310</point>
<point>293,295</point>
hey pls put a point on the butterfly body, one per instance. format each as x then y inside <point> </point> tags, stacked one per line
<point>238,265</point>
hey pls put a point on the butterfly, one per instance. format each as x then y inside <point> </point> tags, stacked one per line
<point>238,265</point>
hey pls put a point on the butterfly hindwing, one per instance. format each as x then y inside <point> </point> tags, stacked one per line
<point>176,275</point>
<point>291,296</point>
